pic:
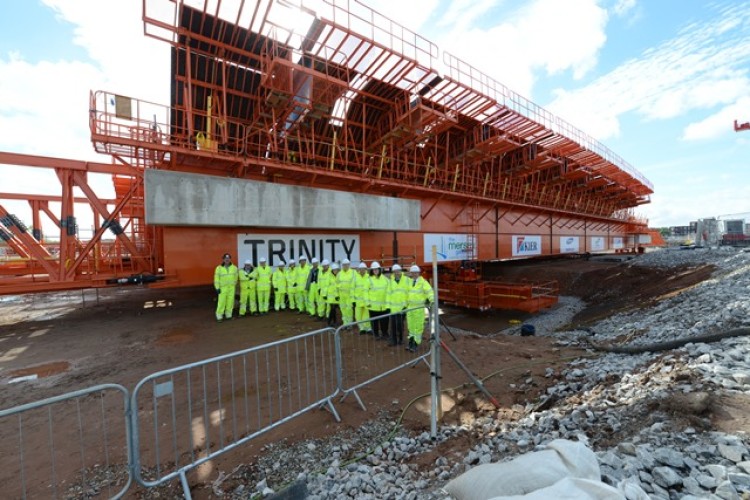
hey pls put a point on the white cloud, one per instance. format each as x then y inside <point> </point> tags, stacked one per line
<point>528,39</point>
<point>719,123</point>
<point>704,66</point>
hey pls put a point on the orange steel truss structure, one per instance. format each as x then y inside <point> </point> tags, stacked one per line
<point>326,93</point>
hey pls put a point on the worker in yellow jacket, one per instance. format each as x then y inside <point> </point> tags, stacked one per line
<point>323,283</point>
<point>291,284</point>
<point>419,294</point>
<point>278,282</point>
<point>360,296</point>
<point>248,290</point>
<point>225,283</point>
<point>312,285</point>
<point>332,296</point>
<point>397,292</point>
<point>263,272</point>
<point>377,302</point>
<point>303,271</point>
<point>345,282</point>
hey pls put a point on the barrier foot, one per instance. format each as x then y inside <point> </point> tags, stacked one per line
<point>329,406</point>
<point>359,400</point>
<point>185,486</point>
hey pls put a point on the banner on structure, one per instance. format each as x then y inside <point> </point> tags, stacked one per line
<point>617,242</point>
<point>527,245</point>
<point>278,248</point>
<point>597,243</point>
<point>450,247</point>
<point>569,244</point>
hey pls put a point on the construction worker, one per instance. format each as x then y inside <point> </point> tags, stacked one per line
<point>345,282</point>
<point>332,296</point>
<point>397,292</point>
<point>377,301</point>
<point>303,271</point>
<point>419,294</point>
<point>278,281</point>
<point>291,284</point>
<point>225,282</point>
<point>263,272</point>
<point>323,283</point>
<point>312,286</point>
<point>360,296</point>
<point>248,290</point>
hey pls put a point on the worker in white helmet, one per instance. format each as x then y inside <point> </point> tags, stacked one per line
<point>361,299</point>
<point>291,284</point>
<point>248,289</point>
<point>225,283</point>
<point>419,293</point>
<point>345,282</point>
<point>332,296</point>
<point>397,292</point>
<point>323,283</point>
<point>263,272</point>
<point>303,271</point>
<point>377,301</point>
<point>278,282</point>
<point>312,286</point>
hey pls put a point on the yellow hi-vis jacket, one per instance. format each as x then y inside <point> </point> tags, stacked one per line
<point>324,281</point>
<point>291,278</point>
<point>264,277</point>
<point>378,295</point>
<point>247,279</point>
<point>301,277</point>
<point>397,292</point>
<point>279,279</point>
<point>225,276</point>
<point>361,289</point>
<point>345,282</point>
<point>332,288</point>
<point>419,291</point>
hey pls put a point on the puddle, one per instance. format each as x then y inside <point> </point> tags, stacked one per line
<point>39,371</point>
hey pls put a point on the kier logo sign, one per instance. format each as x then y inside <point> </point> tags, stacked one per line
<point>527,245</point>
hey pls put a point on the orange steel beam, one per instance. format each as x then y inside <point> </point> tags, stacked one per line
<point>24,160</point>
<point>46,197</point>
<point>33,248</point>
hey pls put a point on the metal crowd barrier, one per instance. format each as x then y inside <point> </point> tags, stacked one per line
<point>364,359</point>
<point>186,416</point>
<point>42,456</point>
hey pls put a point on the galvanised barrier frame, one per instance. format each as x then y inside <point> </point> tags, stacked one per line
<point>403,360</point>
<point>270,374</point>
<point>83,432</point>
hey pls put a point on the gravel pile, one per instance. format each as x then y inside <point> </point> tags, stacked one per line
<point>645,415</point>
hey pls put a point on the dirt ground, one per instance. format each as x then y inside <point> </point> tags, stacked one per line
<point>73,340</point>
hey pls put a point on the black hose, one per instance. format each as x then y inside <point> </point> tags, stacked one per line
<point>672,344</point>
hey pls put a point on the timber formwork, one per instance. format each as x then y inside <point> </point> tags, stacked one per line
<point>330,94</point>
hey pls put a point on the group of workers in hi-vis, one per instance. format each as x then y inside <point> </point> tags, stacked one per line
<point>330,291</point>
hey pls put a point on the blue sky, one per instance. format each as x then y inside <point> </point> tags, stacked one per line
<point>658,82</point>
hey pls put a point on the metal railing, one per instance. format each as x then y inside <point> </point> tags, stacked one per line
<point>186,416</point>
<point>365,359</point>
<point>42,456</point>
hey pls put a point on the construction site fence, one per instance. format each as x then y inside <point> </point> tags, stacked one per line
<point>375,359</point>
<point>177,419</point>
<point>44,457</point>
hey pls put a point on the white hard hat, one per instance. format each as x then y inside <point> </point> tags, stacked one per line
<point>262,259</point>
<point>395,267</point>
<point>362,265</point>
<point>375,265</point>
<point>326,262</point>
<point>248,262</point>
<point>302,257</point>
<point>291,261</point>
<point>414,269</point>
<point>315,260</point>
<point>345,261</point>
<point>334,267</point>
<point>281,264</point>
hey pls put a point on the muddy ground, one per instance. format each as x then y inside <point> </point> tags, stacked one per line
<point>73,340</point>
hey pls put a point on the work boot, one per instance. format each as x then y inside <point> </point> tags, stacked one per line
<point>412,347</point>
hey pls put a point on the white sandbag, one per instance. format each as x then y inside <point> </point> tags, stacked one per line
<point>571,488</point>
<point>527,473</point>
<point>565,470</point>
